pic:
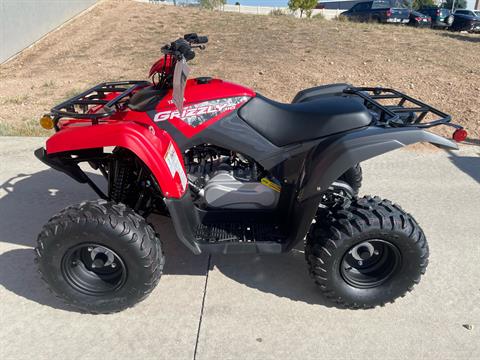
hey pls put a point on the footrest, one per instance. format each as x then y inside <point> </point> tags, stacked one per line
<point>237,232</point>
<point>261,247</point>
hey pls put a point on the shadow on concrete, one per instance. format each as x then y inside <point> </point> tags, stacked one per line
<point>30,200</point>
<point>470,165</point>
<point>18,272</point>
<point>284,275</point>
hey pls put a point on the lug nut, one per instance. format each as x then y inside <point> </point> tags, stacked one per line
<point>360,262</point>
<point>114,265</point>
<point>90,249</point>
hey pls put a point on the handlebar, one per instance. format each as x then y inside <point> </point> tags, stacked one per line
<point>183,47</point>
<point>193,38</point>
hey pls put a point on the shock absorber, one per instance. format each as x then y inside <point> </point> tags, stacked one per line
<point>120,180</point>
<point>254,171</point>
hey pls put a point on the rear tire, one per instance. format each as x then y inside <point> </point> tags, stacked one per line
<point>99,256</point>
<point>353,177</point>
<point>367,254</point>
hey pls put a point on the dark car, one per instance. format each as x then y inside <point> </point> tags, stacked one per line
<point>382,11</point>
<point>420,20</point>
<point>466,20</point>
<point>441,18</point>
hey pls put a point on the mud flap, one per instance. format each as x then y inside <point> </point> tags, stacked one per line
<point>69,168</point>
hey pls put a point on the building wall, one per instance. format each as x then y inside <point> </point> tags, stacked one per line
<point>266,10</point>
<point>342,4</point>
<point>473,4</point>
<point>22,22</point>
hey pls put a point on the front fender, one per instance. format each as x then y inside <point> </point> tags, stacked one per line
<point>329,160</point>
<point>150,146</point>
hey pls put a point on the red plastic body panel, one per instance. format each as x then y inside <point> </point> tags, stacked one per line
<point>150,145</point>
<point>196,93</point>
<point>138,132</point>
<point>165,63</point>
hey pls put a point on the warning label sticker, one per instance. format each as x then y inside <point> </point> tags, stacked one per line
<point>174,165</point>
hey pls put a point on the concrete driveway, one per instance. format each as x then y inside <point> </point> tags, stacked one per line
<point>261,307</point>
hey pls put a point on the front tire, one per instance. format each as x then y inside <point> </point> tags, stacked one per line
<point>99,256</point>
<point>367,254</point>
<point>449,20</point>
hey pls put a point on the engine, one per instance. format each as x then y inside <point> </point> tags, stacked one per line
<point>223,179</point>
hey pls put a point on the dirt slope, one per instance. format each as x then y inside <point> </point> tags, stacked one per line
<point>275,55</point>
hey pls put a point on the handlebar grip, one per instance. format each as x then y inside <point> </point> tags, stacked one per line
<point>202,40</point>
<point>184,48</point>
<point>191,37</point>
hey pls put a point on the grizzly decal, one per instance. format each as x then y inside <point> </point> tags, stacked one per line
<point>197,114</point>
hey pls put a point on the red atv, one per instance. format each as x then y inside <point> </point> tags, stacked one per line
<point>237,173</point>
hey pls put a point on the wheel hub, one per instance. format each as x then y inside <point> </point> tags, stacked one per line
<point>370,263</point>
<point>363,251</point>
<point>93,269</point>
<point>101,257</point>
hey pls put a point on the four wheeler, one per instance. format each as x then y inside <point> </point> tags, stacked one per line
<point>237,173</point>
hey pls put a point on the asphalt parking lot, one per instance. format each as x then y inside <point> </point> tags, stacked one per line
<point>260,307</point>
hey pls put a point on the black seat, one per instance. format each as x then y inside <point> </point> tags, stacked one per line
<point>320,91</point>
<point>284,124</point>
<point>146,99</point>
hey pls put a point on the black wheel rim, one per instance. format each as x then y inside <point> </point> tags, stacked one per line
<point>370,263</point>
<point>94,269</point>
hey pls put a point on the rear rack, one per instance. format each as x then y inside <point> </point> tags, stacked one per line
<point>406,111</point>
<point>80,106</point>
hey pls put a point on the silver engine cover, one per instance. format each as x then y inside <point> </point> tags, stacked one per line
<point>224,191</point>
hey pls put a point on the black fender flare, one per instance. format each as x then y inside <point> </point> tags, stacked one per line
<point>329,160</point>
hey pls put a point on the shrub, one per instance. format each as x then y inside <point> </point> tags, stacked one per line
<point>318,16</point>
<point>305,6</point>
<point>417,4</point>
<point>459,4</point>
<point>341,18</point>
<point>212,4</point>
<point>277,12</point>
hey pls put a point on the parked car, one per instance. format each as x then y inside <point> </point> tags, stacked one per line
<point>466,20</point>
<point>420,20</point>
<point>441,18</point>
<point>382,11</point>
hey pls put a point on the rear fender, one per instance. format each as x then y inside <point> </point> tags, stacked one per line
<point>149,144</point>
<point>329,160</point>
<point>333,156</point>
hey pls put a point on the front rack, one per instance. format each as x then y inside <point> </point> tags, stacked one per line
<point>81,105</point>
<point>402,110</point>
